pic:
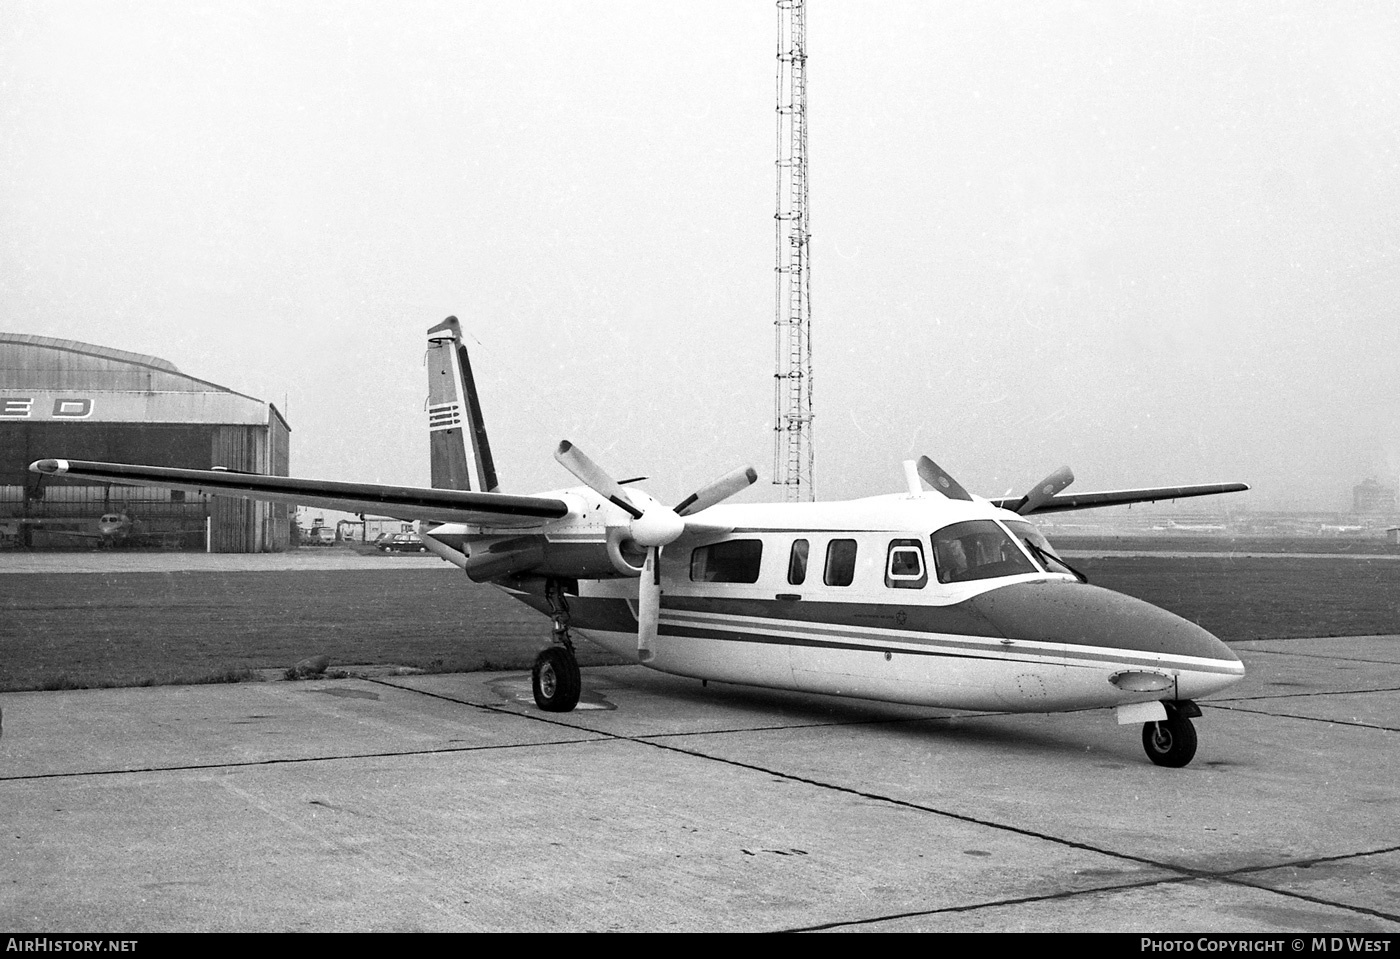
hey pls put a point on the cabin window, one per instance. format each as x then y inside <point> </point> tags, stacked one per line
<point>979,549</point>
<point>797,562</point>
<point>840,562</point>
<point>904,567</point>
<point>733,561</point>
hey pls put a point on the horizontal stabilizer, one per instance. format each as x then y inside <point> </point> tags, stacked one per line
<point>1069,501</point>
<point>497,510</point>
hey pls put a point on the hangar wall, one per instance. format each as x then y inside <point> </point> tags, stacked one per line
<point>65,399</point>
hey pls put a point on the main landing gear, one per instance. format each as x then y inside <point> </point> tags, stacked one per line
<point>1172,741</point>
<point>555,678</point>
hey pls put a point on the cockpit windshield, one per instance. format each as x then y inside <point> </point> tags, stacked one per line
<point>977,549</point>
<point>1040,547</point>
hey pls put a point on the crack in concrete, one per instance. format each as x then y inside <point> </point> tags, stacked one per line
<point>1316,719</point>
<point>1317,692</point>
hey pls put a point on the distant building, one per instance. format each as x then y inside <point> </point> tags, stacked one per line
<point>1369,496</point>
<point>351,527</point>
<point>65,399</point>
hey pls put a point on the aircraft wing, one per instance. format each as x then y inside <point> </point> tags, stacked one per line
<point>1068,501</point>
<point>59,532</point>
<point>498,510</point>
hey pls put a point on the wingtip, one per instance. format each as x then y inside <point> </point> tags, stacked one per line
<point>49,466</point>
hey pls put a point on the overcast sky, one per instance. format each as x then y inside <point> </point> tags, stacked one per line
<point>1159,242</point>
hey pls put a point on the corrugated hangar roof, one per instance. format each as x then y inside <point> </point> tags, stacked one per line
<point>45,362</point>
<point>89,349</point>
<point>53,379</point>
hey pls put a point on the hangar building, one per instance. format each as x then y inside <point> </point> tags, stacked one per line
<point>64,399</point>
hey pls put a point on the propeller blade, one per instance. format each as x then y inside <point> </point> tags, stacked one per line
<point>652,524</point>
<point>721,489</point>
<point>1045,490</point>
<point>591,475</point>
<point>648,604</point>
<point>937,477</point>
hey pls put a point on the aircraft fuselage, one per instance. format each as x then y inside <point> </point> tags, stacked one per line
<point>850,599</point>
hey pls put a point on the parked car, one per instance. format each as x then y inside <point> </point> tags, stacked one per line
<point>401,543</point>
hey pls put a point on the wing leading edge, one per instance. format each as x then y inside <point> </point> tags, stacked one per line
<point>1069,501</point>
<point>499,510</point>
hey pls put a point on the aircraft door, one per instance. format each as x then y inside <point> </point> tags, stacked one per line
<point>719,619</point>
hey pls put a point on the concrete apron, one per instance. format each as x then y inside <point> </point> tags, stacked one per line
<point>451,803</point>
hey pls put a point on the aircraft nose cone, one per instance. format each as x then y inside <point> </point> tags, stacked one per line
<point>1077,614</point>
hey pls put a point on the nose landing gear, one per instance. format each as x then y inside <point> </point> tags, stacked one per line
<point>1172,742</point>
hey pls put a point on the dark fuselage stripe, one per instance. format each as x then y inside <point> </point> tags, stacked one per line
<point>694,632</point>
<point>948,648</point>
<point>757,624</point>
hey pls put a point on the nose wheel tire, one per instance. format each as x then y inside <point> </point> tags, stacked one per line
<point>556,680</point>
<point>1171,742</point>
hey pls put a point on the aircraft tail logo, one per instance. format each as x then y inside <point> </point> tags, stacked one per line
<point>460,453</point>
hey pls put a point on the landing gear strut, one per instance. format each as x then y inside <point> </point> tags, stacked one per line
<point>1172,741</point>
<point>555,678</point>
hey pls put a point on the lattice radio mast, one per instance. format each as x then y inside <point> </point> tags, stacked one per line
<point>792,381</point>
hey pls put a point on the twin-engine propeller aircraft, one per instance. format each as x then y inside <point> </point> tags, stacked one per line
<point>932,597</point>
<point>112,530</point>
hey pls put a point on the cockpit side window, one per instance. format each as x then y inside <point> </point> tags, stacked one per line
<point>977,549</point>
<point>797,562</point>
<point>904,566</point>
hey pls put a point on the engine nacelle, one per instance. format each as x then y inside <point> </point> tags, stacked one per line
<point>608,553</point>
<point>593,542</point>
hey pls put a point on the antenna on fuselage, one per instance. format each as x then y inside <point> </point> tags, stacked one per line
<point>913,480</point>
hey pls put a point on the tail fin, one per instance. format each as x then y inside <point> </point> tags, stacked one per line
<point>461,455</point>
